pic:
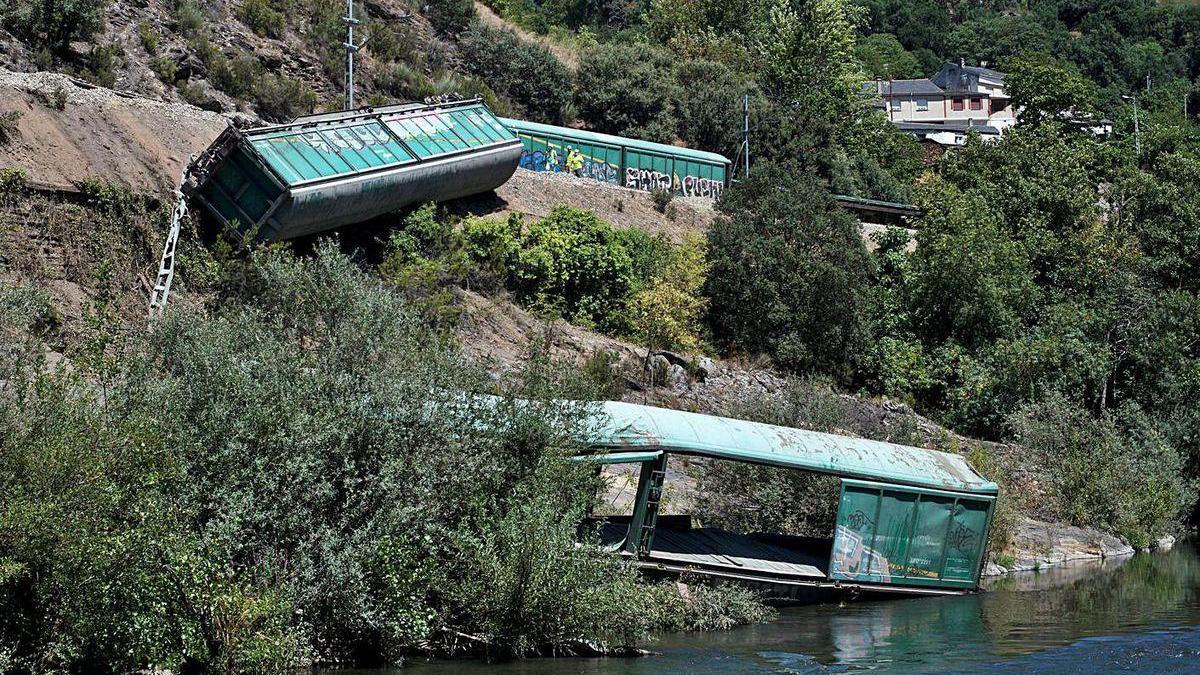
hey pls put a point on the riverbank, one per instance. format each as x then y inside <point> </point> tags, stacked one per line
<point>1135,614</point>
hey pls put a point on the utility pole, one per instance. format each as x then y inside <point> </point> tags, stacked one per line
<point>351,49</point>
<point>746,134</point>
<point>1137,132</point>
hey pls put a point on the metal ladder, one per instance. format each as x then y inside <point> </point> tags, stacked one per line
<point>645,534</point>
<point>166,266</point>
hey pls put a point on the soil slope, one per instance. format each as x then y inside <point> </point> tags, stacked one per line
<point>137,142</point>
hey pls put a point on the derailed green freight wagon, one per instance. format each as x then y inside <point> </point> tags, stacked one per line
<point>324,171</point>
<point>909,520</point>
<point>627,162</point>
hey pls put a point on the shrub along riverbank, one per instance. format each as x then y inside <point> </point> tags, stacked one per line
<point>286,476</point>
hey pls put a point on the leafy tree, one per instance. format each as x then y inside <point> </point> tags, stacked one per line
<point>804,57</point>
<point>627,89</point>
<point>53,23</point>
<point>884,58</point>
<point>1044,89</point>
<point>668,313</point>
<point>788,273</point>
<point>710,115</point>
<point>527,76</point>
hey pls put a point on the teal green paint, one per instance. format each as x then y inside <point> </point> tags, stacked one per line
<point>907,536</point>
<point>627,162</point>
<point>631,427</point>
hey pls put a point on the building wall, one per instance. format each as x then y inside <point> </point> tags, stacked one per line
<point>908,111</point>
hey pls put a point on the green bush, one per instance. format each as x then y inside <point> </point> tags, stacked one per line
<point>103,62</point>
<point>8,126</point>
<point>189,18</point>
<point>13,182</point>
<point>572,263</point>
<point>705,606</point>
<point>492,248</point>
<point>628,89</point>
<point>132,538</point>
<point>450,16</point>
<point>262,18</point>
<point>149,37</point>
<point>279,98</point>
<point>528,76</point>
<point>165,68</point>
<point>401,81</point>
<point>53,23</point>
<point>789,273</point>
<point>1116,471</point>
<point>238,76</point>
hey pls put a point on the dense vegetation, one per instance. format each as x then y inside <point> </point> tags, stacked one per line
<point>1052,299</point>
<point>291,473</point>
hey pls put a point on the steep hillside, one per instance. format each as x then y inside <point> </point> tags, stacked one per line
<point>68,130</point>
<point>93,243</point>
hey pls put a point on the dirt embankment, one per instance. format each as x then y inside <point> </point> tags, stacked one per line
<point>535,193</point>
<point>67,132</point>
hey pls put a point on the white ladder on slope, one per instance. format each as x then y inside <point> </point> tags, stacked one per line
<point>166,265</point>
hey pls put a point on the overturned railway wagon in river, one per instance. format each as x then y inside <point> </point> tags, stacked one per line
<point>324,171</point>
<point>909,520</point>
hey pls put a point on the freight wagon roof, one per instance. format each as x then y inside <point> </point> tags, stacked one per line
<point>636,428</point>
<point>606,139</point>
<point>318,148</point>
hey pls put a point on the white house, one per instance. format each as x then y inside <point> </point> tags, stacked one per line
<point>944,108</point>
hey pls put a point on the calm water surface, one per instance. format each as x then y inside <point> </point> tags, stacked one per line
<point>1138,614</point>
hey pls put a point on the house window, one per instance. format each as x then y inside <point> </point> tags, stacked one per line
<point>896,104</point>
<point>922,104</point>
<point>957,104</point>
<point>976,103</point>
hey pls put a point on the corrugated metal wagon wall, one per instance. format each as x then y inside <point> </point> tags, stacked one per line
<point>627,162</point>
<point>325,171</point>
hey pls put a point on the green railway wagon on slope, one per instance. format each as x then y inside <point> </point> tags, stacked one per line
<point>324,171</point>
<point>909,520</point>
<point>627,162</point>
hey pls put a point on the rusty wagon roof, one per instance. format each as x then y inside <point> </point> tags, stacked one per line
<point>632,427</point>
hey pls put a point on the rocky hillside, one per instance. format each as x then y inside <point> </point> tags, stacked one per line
<point>58,239</point>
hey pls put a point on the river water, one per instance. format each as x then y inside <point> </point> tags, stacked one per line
<point>1140,614</point>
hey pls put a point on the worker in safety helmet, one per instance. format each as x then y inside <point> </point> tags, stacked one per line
<point>575,161</point>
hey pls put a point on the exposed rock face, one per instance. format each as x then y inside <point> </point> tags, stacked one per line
<point>1038,544</point>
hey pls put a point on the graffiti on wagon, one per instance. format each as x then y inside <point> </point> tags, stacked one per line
<point>571,161</point>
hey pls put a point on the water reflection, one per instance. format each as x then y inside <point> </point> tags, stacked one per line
<point>1142,612</point>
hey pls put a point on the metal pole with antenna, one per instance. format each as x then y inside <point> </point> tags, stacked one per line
<point>351,49</point>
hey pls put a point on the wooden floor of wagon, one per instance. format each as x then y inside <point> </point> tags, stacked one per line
<point>710,548</point>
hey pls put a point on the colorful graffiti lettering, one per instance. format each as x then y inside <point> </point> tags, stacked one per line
<point>694,186</point>
<point>647,180</point>
<point>573,162</point>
